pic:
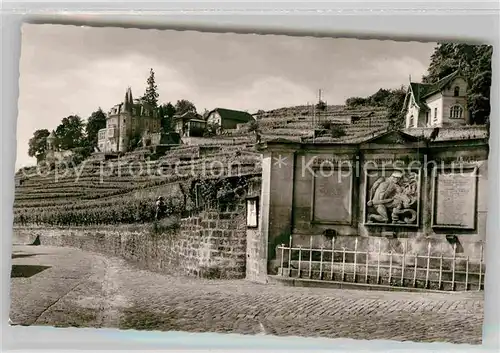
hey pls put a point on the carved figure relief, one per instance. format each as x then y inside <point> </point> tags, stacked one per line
<point>393,199</point>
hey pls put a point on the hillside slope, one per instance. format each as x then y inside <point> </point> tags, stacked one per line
<point>124,190</point>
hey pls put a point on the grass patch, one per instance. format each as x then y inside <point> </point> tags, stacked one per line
<point>164,226</point>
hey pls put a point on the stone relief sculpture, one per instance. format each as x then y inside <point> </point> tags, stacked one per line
<point>394,199</point>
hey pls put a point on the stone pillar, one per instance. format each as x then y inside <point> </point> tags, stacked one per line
<point>277,199</point>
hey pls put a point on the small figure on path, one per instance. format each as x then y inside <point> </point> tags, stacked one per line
<point>160,208</point>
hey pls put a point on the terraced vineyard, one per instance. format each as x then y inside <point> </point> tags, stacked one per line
<point>98,192</point>
<point>299,123</point>
<point>123,191</point>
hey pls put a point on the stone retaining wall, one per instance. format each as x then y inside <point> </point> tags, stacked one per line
<point>210,245</point>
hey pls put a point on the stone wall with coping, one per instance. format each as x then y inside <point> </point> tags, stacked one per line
<point>211,244</point>
<point>305,207</point>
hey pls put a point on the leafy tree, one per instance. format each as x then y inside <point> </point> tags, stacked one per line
<point>151,95</point>
<point>95,122</point>
<point>70,133</point>
<point>211,130</point>
<point>378,99</point>
<point>205,113</point>
<point>337,131</point>
<point>183,106</point>
<point>354,102</point>
<point>394,103</point>
<point>321,106</point>
<point>391,99</point>
<point>254,127</point>
<point>167,112</point>
<point>134,141</point>
<point>474,62</point>
<point>38,144</point>
<point>80,154</point>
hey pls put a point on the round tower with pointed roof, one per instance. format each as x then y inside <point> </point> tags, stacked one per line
<point>51,141</point>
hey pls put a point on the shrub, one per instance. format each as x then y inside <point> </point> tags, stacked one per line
<point>337,131</point>
<point>326,125</point>
<point>321,106</point>
<point>165,225</point>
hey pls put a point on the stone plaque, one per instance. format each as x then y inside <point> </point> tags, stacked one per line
<point>392,197</point>
<point>332,192</point>
<point>252,212</point>
<point>455,199</point>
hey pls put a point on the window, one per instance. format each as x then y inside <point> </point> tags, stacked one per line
<point>411,121</point>
<point>456,112</point>
<point>435,115</point>
<point>456,91</point>
<point>426,118</point>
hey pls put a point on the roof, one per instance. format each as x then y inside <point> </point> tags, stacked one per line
<point>235,115</point>
<point>459,133</point>
<point>423,90</point>
<point>52,135</point>
<point>414,134</point>
<point>187,115</point>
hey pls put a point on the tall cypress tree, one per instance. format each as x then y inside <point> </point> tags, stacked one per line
<point>151,95</point>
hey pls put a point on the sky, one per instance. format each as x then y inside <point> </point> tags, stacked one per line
<point>72,70</point>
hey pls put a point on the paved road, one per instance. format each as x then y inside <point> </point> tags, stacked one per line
<point>86,289</point>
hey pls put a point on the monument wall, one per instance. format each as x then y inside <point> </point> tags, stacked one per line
<point>391,192</point>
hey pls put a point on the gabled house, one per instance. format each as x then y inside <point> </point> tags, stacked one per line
<point>439,104</point>
<point>228,118</point>
<point>189,124</point>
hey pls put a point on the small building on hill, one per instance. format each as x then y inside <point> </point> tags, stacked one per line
<point>439,104</point>
<point>189,124</point>
<point>53,154</point>
<point>126,121</point>
<point>228,118</point>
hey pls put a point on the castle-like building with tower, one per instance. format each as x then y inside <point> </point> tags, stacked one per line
<point>132,118</point>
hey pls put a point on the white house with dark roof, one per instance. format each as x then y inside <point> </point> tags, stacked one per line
<point>228,118</point>
<point>439,104</point>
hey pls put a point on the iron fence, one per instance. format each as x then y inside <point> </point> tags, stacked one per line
<point>446,272</point>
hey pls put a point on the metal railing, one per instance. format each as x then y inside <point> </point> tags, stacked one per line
<point>446,272</point>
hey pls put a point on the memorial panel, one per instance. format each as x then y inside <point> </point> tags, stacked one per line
<point>332,197</point>
<point>392,197</point>
<point>455,196</point>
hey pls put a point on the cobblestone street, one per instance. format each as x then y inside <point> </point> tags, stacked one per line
<point>84,289</point>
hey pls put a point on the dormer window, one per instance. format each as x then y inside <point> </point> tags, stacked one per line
<point>456,112</point>
<point>456,91</point>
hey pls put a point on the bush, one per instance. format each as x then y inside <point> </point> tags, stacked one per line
<point>326,125</point>
<point>321,106</point>
<point>130,210</point>
<point>337,131</point>
<point>331,129</point>
<point>165,225</point>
